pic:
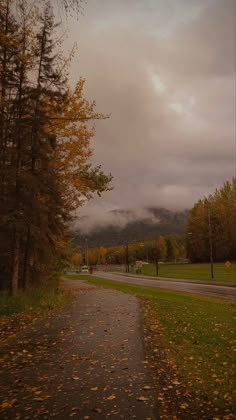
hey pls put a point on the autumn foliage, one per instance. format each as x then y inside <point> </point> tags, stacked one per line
<point>45,133</point>
<point>213,219</point>
<point>168,248</point>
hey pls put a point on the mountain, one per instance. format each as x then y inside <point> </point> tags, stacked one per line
<point>125,226</point>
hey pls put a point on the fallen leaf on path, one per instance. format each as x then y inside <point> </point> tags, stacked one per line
<point>97,410</point>
<point>142,399</point>
<point>184,406</point>
<point>7,404</point>
<point>147,388</point>
<point>42,398</point>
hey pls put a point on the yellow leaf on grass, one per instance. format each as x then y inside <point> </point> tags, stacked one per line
<point>175,382</point>
<point>112,397</point>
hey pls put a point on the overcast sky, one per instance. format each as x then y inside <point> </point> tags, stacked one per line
<point>165,71</point>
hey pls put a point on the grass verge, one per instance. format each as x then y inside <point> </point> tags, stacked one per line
<point>197,334</point>
<point>17,312</point>
<point>34,299</point>
<point>193,271</point>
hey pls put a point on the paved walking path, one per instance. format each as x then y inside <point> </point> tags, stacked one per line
<point>86,362</point>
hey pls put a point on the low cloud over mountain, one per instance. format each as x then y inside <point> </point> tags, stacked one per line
<point>122,226</point>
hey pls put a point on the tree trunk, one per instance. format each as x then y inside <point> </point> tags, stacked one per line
<point>16,265</point>
<point>157,267</point>
<point>25,279</point>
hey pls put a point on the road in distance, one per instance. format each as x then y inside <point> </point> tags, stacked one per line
<point>207,289</point>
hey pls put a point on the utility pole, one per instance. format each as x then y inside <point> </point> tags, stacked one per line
<point>86,250</point>
<point>127,258</point>
<point>157,259</point>
<point>210,242</point>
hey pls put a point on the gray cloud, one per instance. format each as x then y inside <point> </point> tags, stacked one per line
<point>171,94</point>
<point>103,218</point>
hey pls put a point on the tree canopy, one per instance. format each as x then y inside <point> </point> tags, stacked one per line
<point>213,219</point>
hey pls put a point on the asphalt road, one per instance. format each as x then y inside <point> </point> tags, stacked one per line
<point>217,291</point>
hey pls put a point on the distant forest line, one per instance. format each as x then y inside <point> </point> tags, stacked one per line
<point>161,222</point>
<point>206,231</point>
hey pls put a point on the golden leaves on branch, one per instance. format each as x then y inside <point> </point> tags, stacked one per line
<point>73,128</point>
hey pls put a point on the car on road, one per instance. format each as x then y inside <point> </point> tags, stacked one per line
<point>84,269</point>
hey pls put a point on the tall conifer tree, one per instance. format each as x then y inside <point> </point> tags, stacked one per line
<point>45,173</point>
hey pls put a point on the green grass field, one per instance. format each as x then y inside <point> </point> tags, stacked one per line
<point>197,333</point>
<point>192,271</point>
